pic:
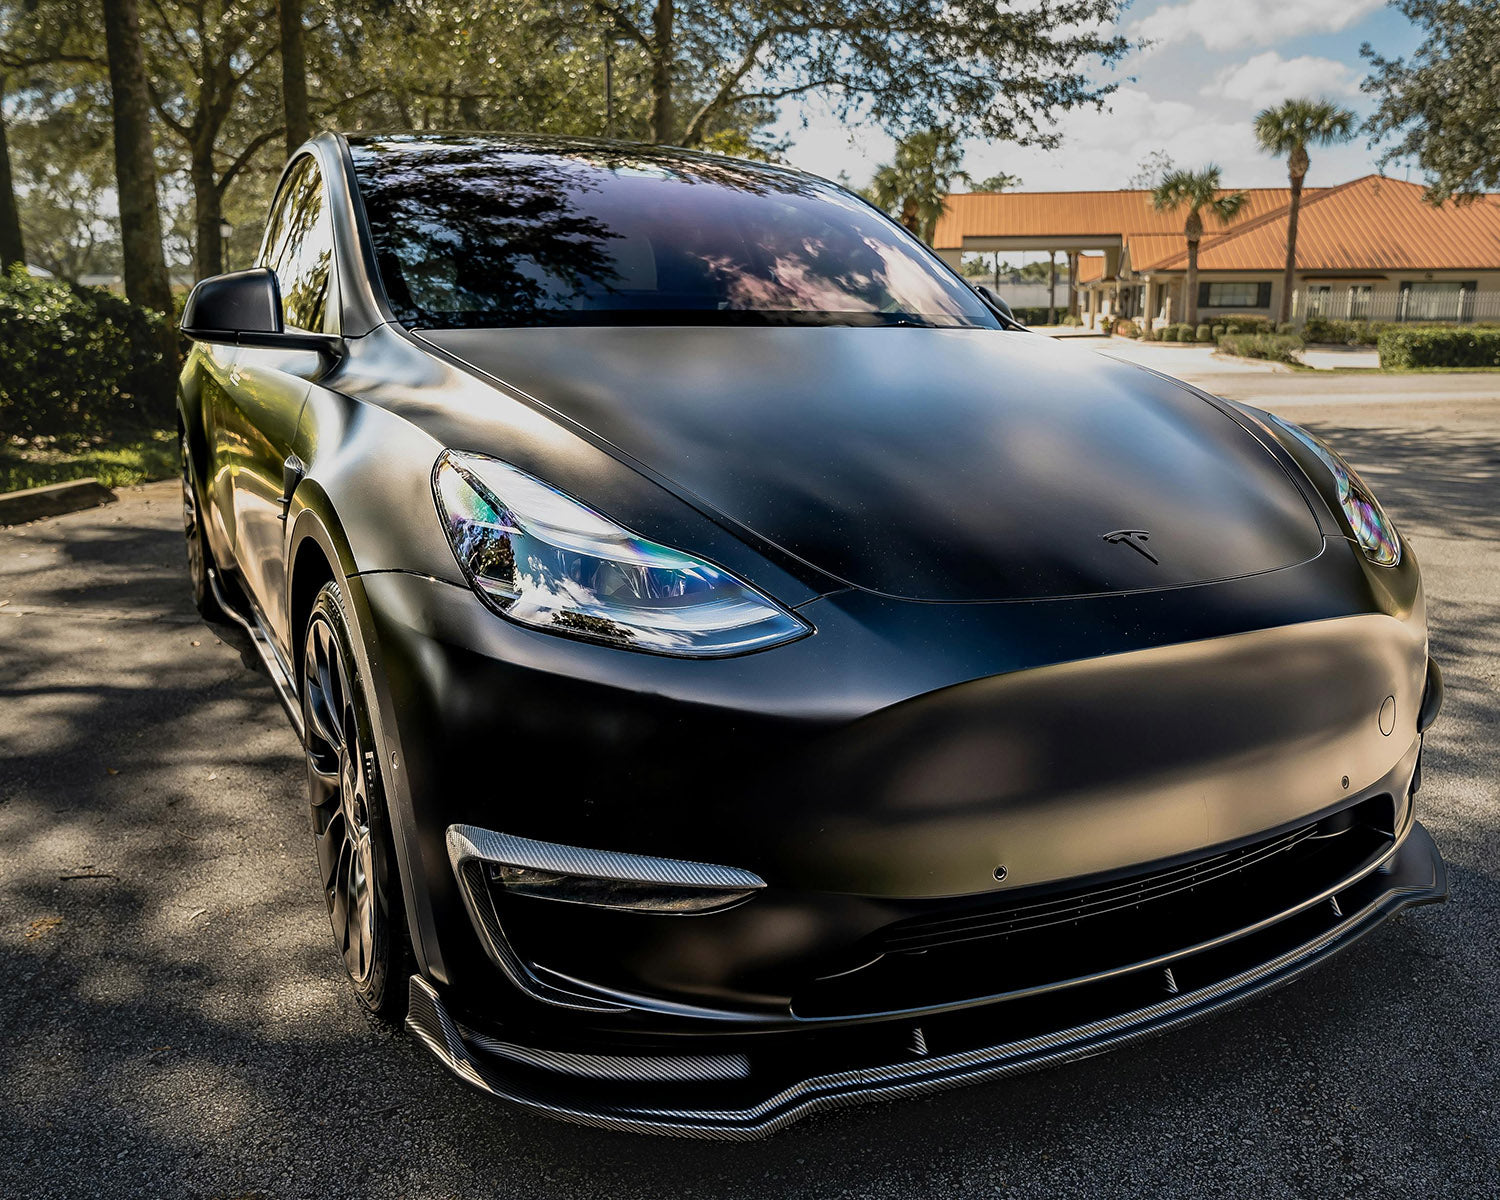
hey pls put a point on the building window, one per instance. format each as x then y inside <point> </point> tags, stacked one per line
<point>1359,301</point>
<point>1437,301</point>
<point>1234,295</point>
<point>1319,300</point>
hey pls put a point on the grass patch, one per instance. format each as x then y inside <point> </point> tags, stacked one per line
<point>112,463</point>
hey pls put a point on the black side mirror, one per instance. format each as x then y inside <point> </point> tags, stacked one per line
<point>243,308</point>
<point>999,305</point>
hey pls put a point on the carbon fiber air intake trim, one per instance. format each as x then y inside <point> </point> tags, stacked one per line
<point>471,842</point>
<point>1415,876</point>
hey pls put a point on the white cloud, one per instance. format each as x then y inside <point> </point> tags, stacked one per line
<point>1268,78</point>
<point>1232,24</point>
<point>1102,150</point>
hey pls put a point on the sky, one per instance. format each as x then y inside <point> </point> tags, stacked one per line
<point>1194,92</point>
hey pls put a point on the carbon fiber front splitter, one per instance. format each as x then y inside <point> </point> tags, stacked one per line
<point>713,1095</point>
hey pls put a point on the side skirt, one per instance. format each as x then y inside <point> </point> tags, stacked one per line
<point>281,678</point>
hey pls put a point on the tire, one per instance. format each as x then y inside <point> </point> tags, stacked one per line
<point>351,825</point>
<point>200,559</point>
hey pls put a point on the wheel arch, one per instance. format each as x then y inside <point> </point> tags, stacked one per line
<point>318,552</point>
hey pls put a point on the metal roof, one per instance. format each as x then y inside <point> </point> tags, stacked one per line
<point>1060,214</point>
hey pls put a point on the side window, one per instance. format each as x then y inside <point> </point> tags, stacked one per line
<point>299,248</point>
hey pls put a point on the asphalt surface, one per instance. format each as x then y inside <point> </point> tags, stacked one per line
<point>173,1021</point>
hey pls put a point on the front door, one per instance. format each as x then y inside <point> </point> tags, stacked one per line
<point>271,386</point>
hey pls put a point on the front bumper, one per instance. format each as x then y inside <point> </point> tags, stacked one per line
<point>754,1086</point>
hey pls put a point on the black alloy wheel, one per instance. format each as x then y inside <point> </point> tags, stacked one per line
<point>351,829</point>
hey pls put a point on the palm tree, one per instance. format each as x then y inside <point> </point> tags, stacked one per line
<point>1195,191</point>
<point>914,186</point>
<point>1290,128</point>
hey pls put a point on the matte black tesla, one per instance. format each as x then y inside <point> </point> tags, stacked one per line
<point>743,672</point>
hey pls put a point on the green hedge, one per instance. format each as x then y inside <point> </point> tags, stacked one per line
<point>78,363</point>
<point>1245,323</point>
<point>1366,333</point>
<point>1276,347</point>
<point>1439,347</point>
<point>1342,333</point>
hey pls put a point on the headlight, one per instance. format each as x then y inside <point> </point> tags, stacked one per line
<point>544,560</point>
<point>1373,530</point>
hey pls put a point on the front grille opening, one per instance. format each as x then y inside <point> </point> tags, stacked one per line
<point>1021,940</point>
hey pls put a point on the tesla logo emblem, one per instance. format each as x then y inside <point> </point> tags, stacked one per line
<point>1136,539</point>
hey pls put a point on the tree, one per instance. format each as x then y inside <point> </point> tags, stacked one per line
<point>1002,182</point>
<point>210,92</point>
<point>1151,170</point>
<point>143,265</point>
<point>1445,102</point>
<point>1195,191</point>
<point>1289,128</point>
<point>913,187</point>
<point>62,147</point>
<point>12,244</point>
<point>37,37</point>
<point>293,75</point>
<point>1002,73</point>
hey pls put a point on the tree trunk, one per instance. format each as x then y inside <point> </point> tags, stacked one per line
<point>294,76</point>
<point>1190,301</point>
<point>1291,250</point>
<point>12,246</point>
<point>208,250</point>
<point>144,265</point>
<point>663,119</point>
<point>1051,287</point>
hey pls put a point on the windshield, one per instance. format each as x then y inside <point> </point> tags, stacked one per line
<point>473,232</point>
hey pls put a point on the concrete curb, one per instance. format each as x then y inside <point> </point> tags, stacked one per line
<point>32,504</point>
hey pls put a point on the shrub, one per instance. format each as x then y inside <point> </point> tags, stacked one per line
<point>1204,333</point>
<point>1341,333</point>
<point>78,362</point>
<point>1364,333</point>
<point>1439,347</point>
<point>1178,331</point>
<point>1286,329</point>
<point>1245,323</point>
<point>1126,328</point>
<point>1071,320</point>
<point>1275,347</point>
<point>1217,332</point>
<point>1031,314</point>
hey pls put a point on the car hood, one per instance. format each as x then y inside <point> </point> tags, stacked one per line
<point>929,464</point>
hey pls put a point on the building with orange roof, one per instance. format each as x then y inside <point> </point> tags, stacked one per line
<point>1371,248</point>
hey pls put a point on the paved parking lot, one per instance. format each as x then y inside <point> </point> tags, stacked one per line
<point>174,1022</point>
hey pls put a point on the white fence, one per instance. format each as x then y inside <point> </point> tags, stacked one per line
<point>1414,302</point>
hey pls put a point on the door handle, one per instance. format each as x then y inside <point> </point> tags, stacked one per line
<point>292,471</point>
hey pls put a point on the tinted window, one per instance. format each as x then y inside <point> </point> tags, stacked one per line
<point>299,248</point>
<point>486,231</point>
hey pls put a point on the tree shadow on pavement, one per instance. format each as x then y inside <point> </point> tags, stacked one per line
<point>175,1022</point>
